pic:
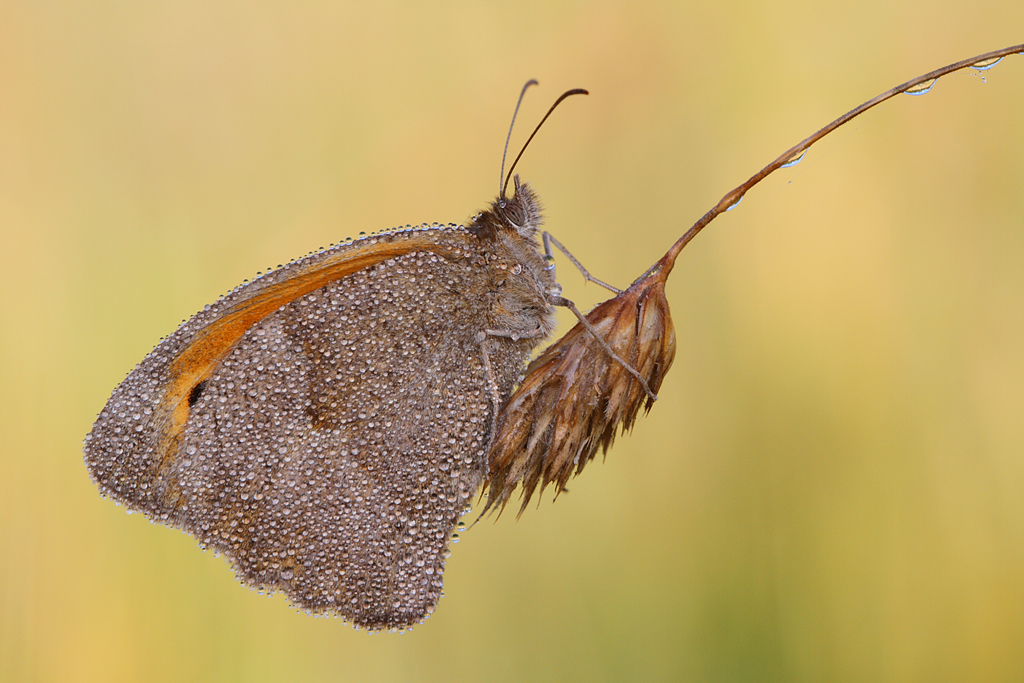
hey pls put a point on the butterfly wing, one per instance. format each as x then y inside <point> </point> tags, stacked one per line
<point>324,426</point>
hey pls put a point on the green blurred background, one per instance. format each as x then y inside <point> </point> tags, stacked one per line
<point>831,487</point>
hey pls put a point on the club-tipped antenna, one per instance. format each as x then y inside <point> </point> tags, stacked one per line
<point>505,178</point>
<point>504,153</point>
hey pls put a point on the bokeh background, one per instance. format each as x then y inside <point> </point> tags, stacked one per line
<point>831,487</point>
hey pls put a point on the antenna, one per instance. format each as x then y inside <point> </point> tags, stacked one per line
<point>505,178</point>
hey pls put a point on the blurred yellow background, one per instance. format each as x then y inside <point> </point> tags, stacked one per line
<point>831,487</point>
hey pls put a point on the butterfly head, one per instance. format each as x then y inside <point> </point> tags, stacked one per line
<point>520,213</point>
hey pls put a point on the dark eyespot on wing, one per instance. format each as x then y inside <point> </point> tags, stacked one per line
<point>197,391</point>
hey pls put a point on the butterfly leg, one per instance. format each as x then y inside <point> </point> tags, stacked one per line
<point>549,240</point>
<point>565,303</point>
<point>486,338</point>
<point>492,384</point>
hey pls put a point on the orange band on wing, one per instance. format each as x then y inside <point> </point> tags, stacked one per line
<point>199,359</point>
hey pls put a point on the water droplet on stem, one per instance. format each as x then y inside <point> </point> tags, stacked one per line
<point>986,64</point>
<point>921,88</point>
<point>792,162</point>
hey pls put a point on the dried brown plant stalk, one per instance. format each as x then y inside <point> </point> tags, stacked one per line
<point>575,397</point>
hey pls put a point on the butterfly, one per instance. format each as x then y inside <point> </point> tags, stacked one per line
<point>326,425</point>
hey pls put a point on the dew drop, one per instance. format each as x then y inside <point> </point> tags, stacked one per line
<point>789,164</point>
<point>921,88</point>
<point>734,204</point>
<point>986,64</point>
